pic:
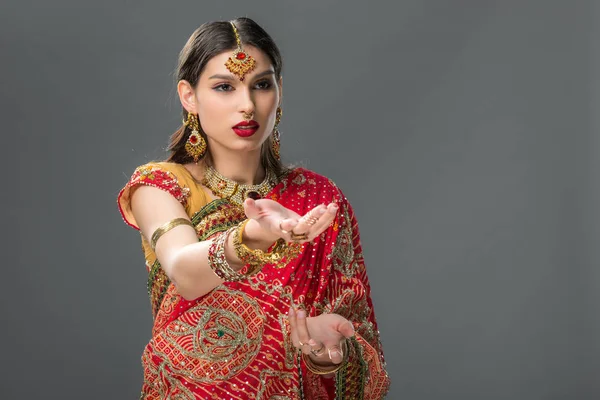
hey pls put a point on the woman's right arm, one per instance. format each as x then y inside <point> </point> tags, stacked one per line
<point>183,258</point>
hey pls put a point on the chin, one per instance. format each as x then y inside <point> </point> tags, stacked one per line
<point>248,146</point>
<point>253,142</point>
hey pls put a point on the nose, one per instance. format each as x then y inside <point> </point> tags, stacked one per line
<point>246,105</point>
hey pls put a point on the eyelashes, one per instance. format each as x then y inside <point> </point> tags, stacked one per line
<point>263,85</point>
<point>260,85</point>
<point>223,87</point>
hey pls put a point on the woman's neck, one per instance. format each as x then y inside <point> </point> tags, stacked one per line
<point>242,168</point>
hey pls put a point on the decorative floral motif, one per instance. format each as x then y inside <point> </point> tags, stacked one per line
<point>150,175</point>
<point>215,339</point>
<point>343,253</point>
<point>155,176</point>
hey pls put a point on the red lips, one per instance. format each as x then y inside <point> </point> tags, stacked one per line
<point>246,128</point>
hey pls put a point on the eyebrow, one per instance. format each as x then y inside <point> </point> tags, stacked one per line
<point>231,77</point>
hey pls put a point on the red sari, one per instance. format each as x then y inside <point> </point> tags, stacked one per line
<point>234,342</point>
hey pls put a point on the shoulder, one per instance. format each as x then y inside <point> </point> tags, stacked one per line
<point>160,167</point>
<point>302,179</point>
<point>161,175</point>
<point>301,176</point>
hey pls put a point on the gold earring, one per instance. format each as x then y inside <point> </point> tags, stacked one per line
<point>276,143</point>
<point>195,145</point>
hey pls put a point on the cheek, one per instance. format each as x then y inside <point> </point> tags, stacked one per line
<point>212,109</point>
<point>268,101</point>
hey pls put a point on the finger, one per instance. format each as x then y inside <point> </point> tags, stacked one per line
<point>251,209</point>
<point>302,330</point>
<point>335,352</point>
<point>286,225</point>
<point>346,329</point>
<point>304,224</point>
<point>317,349</point>
<point>323,223</point>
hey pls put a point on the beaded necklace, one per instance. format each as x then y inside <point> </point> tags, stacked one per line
<point>236,192</point>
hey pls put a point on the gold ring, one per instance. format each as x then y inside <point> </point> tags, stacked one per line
<point>318,352</point>
<point>296,237</point>
<point>336,349</point>
<point>311,221</point>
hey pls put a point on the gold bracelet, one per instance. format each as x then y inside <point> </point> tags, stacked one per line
<point>280,255</point>
<point>217,260</point>
<point>256,258</point>
<point>319,370</point>
<point>166,228</point>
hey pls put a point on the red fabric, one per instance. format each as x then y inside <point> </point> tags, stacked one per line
<point>234,342</point>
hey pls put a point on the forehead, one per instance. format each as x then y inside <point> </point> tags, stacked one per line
<point>216,65</point>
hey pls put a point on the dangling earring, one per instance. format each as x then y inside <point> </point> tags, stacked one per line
<point>195,145</point>
<point>276,143</point>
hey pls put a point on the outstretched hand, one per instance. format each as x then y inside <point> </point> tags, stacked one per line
<point>281,222</point>
<point>320,337</point>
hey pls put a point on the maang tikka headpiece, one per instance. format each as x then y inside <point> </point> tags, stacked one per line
<point>240,63</point>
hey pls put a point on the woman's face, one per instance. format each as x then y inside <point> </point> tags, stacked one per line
<point>221,101</point>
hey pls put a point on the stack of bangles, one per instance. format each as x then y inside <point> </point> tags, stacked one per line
<point>279,256</point>
<point>319,370</point>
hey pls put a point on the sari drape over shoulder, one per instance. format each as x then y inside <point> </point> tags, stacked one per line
<point>234,342</point>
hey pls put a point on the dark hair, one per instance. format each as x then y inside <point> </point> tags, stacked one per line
<point>209,40</point>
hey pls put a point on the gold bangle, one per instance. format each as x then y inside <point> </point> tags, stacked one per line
<point>256,258</point>
<point>279,256</point>
<point>166,228</point>
<point>319,370</point>
<point>217,260</point>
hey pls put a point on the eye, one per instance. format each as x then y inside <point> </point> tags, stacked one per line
<point>223,87</point>
<point>263,85</point>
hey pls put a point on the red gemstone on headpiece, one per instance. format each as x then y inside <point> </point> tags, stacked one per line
<point>193,139</point>
<point>240,56</point>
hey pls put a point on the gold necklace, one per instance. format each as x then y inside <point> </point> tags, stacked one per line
<point>236,192</point>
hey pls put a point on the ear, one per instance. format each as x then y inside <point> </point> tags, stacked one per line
<point>187,96</point>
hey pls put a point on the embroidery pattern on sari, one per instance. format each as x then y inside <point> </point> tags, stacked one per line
<point>274,385</point>
<point>217,216</point>
<point>216,338</point>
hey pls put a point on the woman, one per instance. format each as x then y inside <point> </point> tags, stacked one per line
<point>256,275</point>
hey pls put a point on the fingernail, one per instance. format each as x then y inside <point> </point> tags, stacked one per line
<point>322,211</point>
<point>312,342</point>
<point>291,313</point>
<point>301,314</point>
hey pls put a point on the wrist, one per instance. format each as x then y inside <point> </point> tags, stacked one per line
<point>322,370</point>
<point>322,361</point>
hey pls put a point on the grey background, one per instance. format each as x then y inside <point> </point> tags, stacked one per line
<point>465,134</point>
